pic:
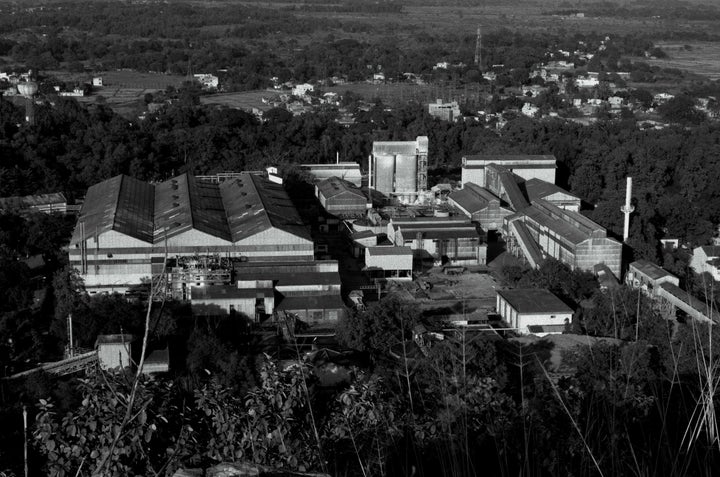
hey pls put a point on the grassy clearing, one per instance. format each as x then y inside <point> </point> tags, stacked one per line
<point>701,57</point>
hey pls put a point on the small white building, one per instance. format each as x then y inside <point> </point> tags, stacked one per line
<point>114,351</point>
<point>302,89</point>
<point>647,277</point>
<point>706,259</point>
<point>97,81</point>
<point>207,80</point>
<point>395,262</point>
<point>530,110</point>
<point>533,311</point>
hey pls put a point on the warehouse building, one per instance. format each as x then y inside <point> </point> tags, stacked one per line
<point>128,230</point>
<point>395,263</point>
<point>544,229</point>
<point>533,310</point>
<point>526,166</point>
<point>480,205</point>
<point>446,239</point>
<point>341,198</point>
<point>347,171</point>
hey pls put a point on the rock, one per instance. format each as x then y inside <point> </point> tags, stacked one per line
<point>241,469</point>
<point>189,473</point>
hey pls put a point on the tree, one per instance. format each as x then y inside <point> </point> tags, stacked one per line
<point>384,325</point>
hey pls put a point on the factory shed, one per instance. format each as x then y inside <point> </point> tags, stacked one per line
<point>480,205</point>
<point>341,198</point>
<point>539,189</point>
<point>533,309</point>
<point>526,166</point>
<point>391,262</point>
<point>126,227</point>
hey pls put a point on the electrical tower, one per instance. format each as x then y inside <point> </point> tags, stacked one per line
<point>478,45</point>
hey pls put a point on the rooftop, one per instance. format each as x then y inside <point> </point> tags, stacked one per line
<point>232,210</point>
<point>655,272</point>
<point>479,161</point>
<point>334,186</point>
<point>389,251</point>
<point>229,292</point>
<point>539,189</point>
<point>534,300</point>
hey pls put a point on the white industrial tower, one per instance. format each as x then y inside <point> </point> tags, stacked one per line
<point>627,209</point>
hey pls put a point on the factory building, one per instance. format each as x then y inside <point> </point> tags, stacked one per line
<point>544,220</point>
<point>480,205</point>
<point>394,263</point>
<point>526,166</point>
<point>341,198</point>
<point>128,229</point>
<point>539,189</point>
<point>452,239</point>
<point>347,171</point>
<point>664,288</point>
<point>398,169</point>
<point>533,310</point>
<point>543,229</point>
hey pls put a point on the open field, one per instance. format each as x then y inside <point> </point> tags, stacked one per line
<point>241,100</point>
<point>697,57</point>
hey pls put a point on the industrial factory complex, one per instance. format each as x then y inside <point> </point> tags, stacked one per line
<point>236,243</point>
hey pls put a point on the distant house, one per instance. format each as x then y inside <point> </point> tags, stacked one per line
<point>97,81</point>
<point>302,89</point>
<point>445,111</point>
<point>533,311</point>
<point>706,259</point>
<point>207,80</point>
<point>530,110</point>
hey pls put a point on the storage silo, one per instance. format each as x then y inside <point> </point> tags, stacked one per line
<point>384,173</point>
<point>406,176</point>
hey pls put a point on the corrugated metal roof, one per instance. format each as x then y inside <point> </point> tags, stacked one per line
<point>13,203</point>
<point>391,251</point>
<point>500,158</point>
<point>232,211</point>
<point>316,302</point>
<point>509,183</point>
<point>534,300</point>
<point>539,189</point>
<point>254,204</point>
<point>395,147</point>
<point>334,186</point>
<point>650,269</point>
<point>121,203</point>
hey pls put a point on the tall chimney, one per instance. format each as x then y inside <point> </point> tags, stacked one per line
<point>627,209</point>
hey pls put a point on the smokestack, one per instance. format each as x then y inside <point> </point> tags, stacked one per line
<point>370,174</point>
<point>627,209</point>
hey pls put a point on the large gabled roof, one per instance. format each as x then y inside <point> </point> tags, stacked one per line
<point>539,189</point>
<point>254,204</point>
<point>231,211</point>
<point>534,300</point>
<point>334,186</point>
<point>120,203</point>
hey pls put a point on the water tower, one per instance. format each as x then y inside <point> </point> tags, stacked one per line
<point>28,90</point>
